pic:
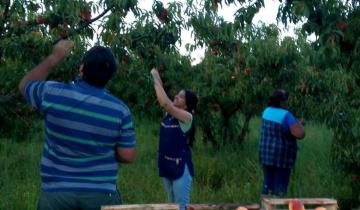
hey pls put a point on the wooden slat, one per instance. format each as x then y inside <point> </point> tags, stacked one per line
<point>278,201</point>
<point>232,206</point>
<point>142,206</point>
<point>228,206</point>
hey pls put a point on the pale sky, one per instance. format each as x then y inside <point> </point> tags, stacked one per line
<point>266,15</point>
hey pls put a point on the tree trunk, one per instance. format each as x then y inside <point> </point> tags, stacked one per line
<point>245,128</point>
<point>208,135</point>
<point>225,130</point>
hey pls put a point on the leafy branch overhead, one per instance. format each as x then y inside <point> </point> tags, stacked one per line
<point>242,62</point>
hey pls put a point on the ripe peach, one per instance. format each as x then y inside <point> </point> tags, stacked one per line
<point>342,25</point>
<point>213,51</point>
<point>248,70</point>
<point>63,34</point>
<point>125,58</point>
<point>86,15</point>
<point>40,19</point>
<point>295,204</point>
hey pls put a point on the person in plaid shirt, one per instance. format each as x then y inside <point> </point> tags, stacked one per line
<point>277,149</point>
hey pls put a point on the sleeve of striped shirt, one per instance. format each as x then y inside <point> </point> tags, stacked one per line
<point>34,92</point>
<point>127,133</point>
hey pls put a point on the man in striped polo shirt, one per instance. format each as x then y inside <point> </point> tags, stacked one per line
<point>88,131</point>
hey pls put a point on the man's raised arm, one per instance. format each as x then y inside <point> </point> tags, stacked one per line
<point>42,70</point>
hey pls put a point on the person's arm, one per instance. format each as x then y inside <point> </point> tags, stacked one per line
<point>297,130</point>
<point>164,100</point>
<point>295,127</point>
<point>42,70</point>
<point>125,150</point>
<point>125,155</point>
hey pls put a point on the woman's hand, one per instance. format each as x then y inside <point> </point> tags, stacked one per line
<point>154,71</point>
<point>156,76</point>
<point>164,100</point>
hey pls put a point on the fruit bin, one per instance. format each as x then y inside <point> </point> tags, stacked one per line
<point>227,206</point>
<point>142,206</point>
<point>309,203</point>
<point>169,206</point>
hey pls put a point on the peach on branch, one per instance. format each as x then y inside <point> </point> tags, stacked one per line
<point>63,34</point>
<point>86,15</point>
<point>342,25</point>
<point>213,51</point>
<point>164,15</point>
<point>248,70</point>
<point>41,19</point>
<point>125,58</point>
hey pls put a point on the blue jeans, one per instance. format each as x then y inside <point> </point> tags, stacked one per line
<point>276,180</point>
<point>178,190</point>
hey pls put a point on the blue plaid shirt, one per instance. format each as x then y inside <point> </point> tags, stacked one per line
<point>277,146</point>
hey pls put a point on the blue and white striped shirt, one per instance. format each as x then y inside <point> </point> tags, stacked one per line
<point>84,125</point>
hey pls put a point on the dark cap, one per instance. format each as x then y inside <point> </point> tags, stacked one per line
<point>277,97</point>
<point>281,95</point>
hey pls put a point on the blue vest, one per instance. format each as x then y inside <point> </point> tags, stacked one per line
<point>174,151</point>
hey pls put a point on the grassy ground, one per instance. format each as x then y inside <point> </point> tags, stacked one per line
<point>232,174</point>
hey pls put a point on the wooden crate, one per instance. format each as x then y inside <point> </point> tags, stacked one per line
<point>166,206</point>
<point>232,206</point>
<point>309,203</point>
<point>228,206</point>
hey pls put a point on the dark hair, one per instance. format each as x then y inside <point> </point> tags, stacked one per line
<point>98,66</point>
<point>278,97</point>
<point>191,102</point>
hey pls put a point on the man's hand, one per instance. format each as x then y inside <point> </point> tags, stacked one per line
<point>125,155</point>
<point>62,49</point>
<point>297,130</point>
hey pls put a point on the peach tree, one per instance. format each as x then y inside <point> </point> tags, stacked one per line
<point>27,32</point>
<point>334,85</point>
<point>322,75</point>
<point>243,63</point>
<point>150,41</point>
<point>29,29</point>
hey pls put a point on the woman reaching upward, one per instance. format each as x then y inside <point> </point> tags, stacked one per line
<point>177,134</point>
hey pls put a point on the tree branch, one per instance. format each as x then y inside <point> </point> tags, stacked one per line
<point>5,17</point>
<point>3,21</point>
<point>84,24</point>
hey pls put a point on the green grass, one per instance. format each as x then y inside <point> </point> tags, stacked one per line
<point>230,175</point>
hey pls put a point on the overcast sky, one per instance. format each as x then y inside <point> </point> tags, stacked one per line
<point>266,15</point>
